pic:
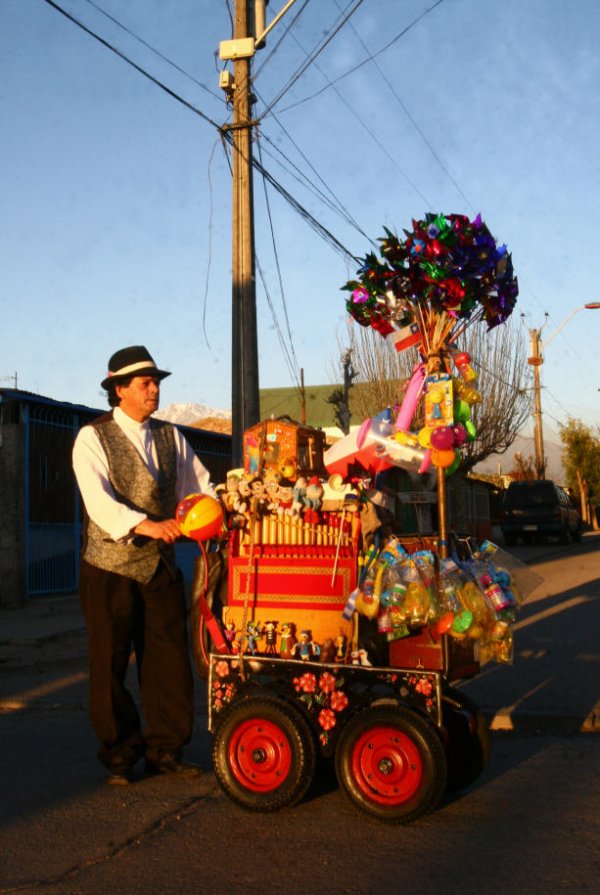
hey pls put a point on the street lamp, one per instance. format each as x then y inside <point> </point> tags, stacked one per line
<point>535,361</point>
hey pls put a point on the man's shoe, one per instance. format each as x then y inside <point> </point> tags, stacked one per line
<point>120,775</point>
<point>170,764</point>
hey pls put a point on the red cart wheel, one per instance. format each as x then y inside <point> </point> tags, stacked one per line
<point>264,754</point>
<point>391,763</point>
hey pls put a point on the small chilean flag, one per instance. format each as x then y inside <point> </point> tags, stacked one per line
<point>406,337</point>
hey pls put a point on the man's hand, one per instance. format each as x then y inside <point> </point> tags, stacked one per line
<point>167,530</point>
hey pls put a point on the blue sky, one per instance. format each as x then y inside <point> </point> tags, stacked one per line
<point>117,199</point>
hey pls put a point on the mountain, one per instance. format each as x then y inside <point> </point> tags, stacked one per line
<point>191,414</point>
<point>524,445</point>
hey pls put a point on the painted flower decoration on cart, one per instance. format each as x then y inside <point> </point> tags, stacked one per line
<point>322,695</point>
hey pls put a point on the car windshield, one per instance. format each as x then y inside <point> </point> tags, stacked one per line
<point>528,494</point>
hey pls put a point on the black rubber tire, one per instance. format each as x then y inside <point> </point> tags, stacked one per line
<point>264,754</point>
<point>391,764</point>
<point>468,743</point>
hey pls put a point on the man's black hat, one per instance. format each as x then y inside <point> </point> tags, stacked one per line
<point>133,361</point>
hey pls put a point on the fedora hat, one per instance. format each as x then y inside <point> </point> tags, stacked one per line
<point>133,361</point>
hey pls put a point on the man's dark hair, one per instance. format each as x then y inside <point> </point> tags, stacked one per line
<point>111,391</point>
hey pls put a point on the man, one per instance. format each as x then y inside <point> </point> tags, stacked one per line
<point>132,470</point>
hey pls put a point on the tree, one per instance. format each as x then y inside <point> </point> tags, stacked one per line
<point>498,356</point>
<point>340,396</point>
<point>581,459</point>
<point>524,469</point>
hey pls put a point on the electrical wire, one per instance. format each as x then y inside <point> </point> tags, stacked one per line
<point>408,114</point>
<point>364,61</point>
<point>154,50</point>
<point>272,53</point>
<point>311,58</point>
<point>133,64</point>
<point>292,363</point>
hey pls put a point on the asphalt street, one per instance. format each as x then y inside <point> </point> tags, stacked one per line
<point>528,825</point>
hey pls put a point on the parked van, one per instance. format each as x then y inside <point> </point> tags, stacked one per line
<point>538,510</point>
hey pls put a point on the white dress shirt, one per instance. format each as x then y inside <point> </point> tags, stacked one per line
<point>91,471</point>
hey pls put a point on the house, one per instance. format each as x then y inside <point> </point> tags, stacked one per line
<point>40,524</point>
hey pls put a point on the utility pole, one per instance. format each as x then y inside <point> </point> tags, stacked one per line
<point>245,411</point>
<point>536,360</point>
<point>248,36</point>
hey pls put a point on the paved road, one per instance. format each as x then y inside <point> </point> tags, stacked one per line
<point>529,825</point>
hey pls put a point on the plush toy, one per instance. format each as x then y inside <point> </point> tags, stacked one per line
<point>313,500</point>
<point>299,495</point>
<point>285,498</point>
<point>259,501</point>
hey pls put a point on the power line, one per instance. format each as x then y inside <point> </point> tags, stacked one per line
<point>154,50</point>
<point>133,64</point>
<point>311,58</point>
<point>364,61</point>
<point>408,114</point>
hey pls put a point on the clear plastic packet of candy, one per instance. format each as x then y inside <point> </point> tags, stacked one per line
<point>522,581</point>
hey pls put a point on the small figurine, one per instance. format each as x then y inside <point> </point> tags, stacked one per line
<point>313,500</point>
<point>253,632</point>
<point>229,633</point>
<point>259,500</point>
<point>306,649</point>
<point>288,640</point>
<point>341,647</point>
<point>270,635</point>
<point>285,498</point>
<point>327,650</point>
<point>231,495</point>
<point>360,657</point>
<point>299,495</point>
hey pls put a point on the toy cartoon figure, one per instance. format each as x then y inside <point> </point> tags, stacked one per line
<point>360,657</point>
<point>241,505</point>
<point>327,650</point>
<point>313,500</point>
<point>231,495</point>
<point>288,640</point>
<point>341,647</point>
<point>259,500</point>
<point>306,649</point>
<point>270,635</point>
<point>299,495</point>
<point>271,479</point>
<point>253,632</point>
<point>229,634</point>
<point>285,498</point>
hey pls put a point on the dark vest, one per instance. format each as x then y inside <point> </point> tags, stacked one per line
<point>134,486</point>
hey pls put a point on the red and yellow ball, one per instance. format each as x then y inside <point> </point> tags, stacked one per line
<point>200,517</point>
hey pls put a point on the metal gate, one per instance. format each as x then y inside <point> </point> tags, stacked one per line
<point>53,526</point>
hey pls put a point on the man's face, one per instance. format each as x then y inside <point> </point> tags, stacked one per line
<point>140,398</point>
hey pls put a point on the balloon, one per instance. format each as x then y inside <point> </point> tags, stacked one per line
<point>454,466</point>
<point>424,437</point>
<point>442,438</point>
<point>411,398</point>
<point>471,430</point>
<point>426,462</point>
<point>460,435</point>
<point>470,395</point>
<point>200,516</point>
<point>462,411</point>
<point>442,459</point>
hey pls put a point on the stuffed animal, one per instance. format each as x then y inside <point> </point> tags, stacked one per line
<point>313,500</point>
<point>299,495</point>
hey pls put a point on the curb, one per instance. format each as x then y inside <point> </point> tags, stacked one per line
<point>532,722</point>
